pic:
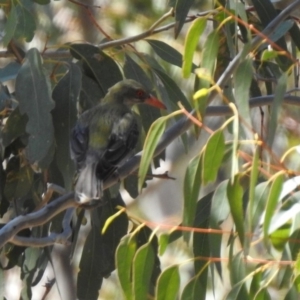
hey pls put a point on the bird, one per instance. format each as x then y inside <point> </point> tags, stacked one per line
<point>105,136</point>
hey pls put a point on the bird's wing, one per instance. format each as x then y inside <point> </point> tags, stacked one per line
<point>122,141</point>
<point>79,144</point>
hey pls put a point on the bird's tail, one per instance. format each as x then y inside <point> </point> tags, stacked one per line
<point>88,186</point>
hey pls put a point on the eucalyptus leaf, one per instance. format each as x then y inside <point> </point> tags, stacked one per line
<point>33,92</point>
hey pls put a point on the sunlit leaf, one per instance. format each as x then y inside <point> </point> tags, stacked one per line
<point>191,41</point>
<point>142,270</point>
<point>168,284</point>
<point>124,257</point>
<point>280,237</point>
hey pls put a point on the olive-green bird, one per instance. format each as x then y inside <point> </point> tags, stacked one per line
<point>105,136</point>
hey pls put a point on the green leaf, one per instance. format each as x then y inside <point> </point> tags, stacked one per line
<point>168,284</point>
<point>252,198</point>
<point>65,95</point>
<point>201,241</point>
<point>163,243</point>
<point>266,13</point>
<point>213,156</point>
<point>260,199</point>
<point>263,294</point>
<point>235,198</point>
<point>280,237</point>
<point>33,92</point>
<point>20,22</point>
<point>272,202</point>
<point>29,267</point>
<point>90,93</point>
<point>167,53</point>
<point>191,41</point>
<point>191,189</point>
<point>97,65</point>
<point>289,212</point>
<point>210,54</point>
<point>192,290</point>
<point>252,186</point>
<point>219,212</point>
<point>242,82</point>
<point>132,70</point>
<point>14,126</point>
<point>205,73</point>
<point>174,92</point>
<point>292,294</point>
<point>181,10</point>
<point>153,136</point>
<point>237,278</point>
<point>276,108</point>
<point>142,270</point>
<point>220,208</point>
<point>124,257</point>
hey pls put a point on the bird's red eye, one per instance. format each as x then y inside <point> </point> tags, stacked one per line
<point>140,93</point>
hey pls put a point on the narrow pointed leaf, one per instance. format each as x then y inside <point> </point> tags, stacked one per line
<point>124,257</point>
<point>191,41</point>
<point>153,136</point>
<point>181,10</point>
<point>192,290</point>
<point>168,284</point>
<point>235,198</point>
<point>212,156</point>
<point>276,107</point>
<point>192,183</point>
<point>142,270</point>
<point>167,53</point>
<point>260,198</point>
<point>66,96</point>
<point>242,82</point>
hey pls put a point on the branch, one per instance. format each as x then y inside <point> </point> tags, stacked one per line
<point>8,232</point>
<point>53,238</point>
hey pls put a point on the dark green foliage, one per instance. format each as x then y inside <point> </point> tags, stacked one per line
<point>247,185</point>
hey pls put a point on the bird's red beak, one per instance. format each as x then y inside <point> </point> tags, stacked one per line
<point>155,102</point>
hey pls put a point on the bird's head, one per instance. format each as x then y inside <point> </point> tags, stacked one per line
<point>131,92</point>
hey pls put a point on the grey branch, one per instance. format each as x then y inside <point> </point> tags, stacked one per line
<point>53,238</point>
<point>8,232</point>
